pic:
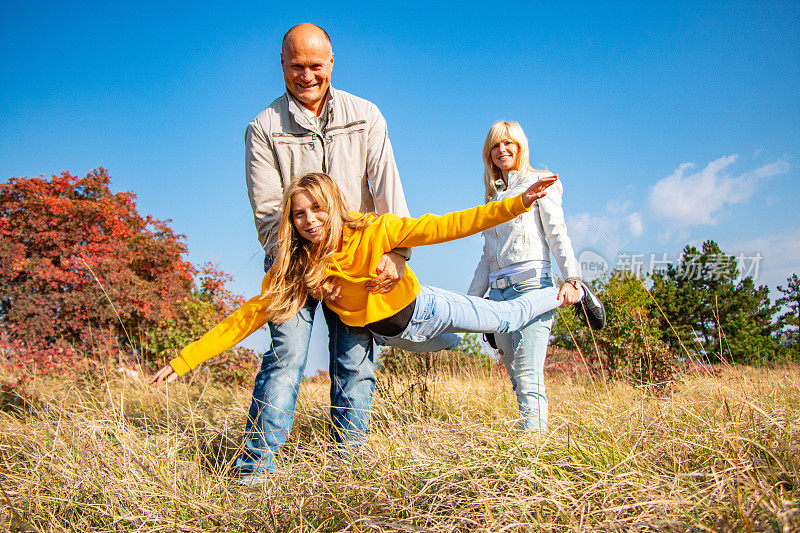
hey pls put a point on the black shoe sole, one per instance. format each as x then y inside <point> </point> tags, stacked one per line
<point>489,338</point>
<point>590,309</point>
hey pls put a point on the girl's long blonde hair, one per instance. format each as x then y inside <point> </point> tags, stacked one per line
<point>498,131</point>
<point>300,266</point>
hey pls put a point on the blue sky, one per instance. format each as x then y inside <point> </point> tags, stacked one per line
<point>669,123</point>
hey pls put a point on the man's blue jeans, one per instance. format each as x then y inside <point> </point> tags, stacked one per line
<point>440,314</point>
<point>271,414</point>
<point>524,352</point>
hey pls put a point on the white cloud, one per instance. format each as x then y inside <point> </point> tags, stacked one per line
<point>635,224</point>
<point>771,169</point>
<point>689,199</point>
<point>606,233</point>
<point>590,230</point>
<point>618,207</point>
<point>776,257</point>
<point>664,237</point>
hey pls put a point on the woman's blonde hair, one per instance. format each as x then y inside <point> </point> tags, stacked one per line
<point>500,130</point>
<point>300,266</point>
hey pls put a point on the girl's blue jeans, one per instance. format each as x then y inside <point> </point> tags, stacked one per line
<point>440,314</point>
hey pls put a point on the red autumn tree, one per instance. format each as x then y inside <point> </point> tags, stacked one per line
<point>82,268</point>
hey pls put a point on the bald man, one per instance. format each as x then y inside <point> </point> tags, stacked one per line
<point>314,128</point>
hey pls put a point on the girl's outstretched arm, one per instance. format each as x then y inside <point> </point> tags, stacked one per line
<point>434,229</point>
<point>235,328</point>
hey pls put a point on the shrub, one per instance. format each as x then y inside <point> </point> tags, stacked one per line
<point>629,347</point>
<point>209,302</point>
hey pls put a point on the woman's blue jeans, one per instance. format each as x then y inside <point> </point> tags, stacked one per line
<point>440,314</point>
<point>524,352</point>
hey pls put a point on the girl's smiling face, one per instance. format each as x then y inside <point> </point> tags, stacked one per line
<point>308,217</point>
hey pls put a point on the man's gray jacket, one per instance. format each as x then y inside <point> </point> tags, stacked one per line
<point>353,148</point>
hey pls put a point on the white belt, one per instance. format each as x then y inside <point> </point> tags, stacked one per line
<point>507,281</point>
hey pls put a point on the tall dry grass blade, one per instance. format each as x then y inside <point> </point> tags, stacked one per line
<point>114,308</point>
<point>17,523</point>
<point>580,352</point>
<point>596,348</point>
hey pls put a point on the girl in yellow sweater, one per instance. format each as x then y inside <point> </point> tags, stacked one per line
<point>319,239</point>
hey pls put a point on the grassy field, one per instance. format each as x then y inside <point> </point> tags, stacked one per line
<point>443,454</point>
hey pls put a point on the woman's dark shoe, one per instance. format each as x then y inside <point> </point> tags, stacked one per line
<point>590,309</point>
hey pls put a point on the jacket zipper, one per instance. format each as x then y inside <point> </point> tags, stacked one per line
<point>324,153</point>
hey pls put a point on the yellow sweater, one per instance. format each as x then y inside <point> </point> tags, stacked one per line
<point>353,265</point>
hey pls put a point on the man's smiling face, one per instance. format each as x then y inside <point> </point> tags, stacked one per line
<point>307,62</point>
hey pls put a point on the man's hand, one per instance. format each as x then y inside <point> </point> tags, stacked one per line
<point>391,267</point>
<point>568,294</point>
<point>166,374</point>
<point>331,289</point>
<point>537,190</point>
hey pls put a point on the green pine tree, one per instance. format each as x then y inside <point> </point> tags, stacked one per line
<point>712,314</point>
<point>789,321</point>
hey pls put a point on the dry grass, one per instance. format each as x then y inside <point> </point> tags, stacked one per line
<point>711,454</point>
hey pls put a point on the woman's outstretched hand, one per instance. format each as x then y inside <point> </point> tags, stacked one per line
<point>166,374</point>
<point>537,190</point>
<point>568,295</point>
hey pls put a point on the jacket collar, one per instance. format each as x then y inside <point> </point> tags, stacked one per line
<point>301,118</point>
<point>514,177</point>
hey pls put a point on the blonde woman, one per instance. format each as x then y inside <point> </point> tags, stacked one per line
<point>516,264</point>
<point>319,239</point>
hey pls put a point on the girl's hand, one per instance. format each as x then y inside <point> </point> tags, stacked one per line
<point>166,374</point>
<point>537,190</point>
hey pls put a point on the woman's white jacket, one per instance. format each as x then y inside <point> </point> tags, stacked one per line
<point>529,237</point>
